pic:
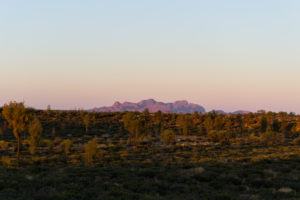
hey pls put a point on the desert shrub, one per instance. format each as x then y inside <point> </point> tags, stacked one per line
<point>47,143</point>
<point>168,136</point>
<point>53,132</point>
<point>66,145</point>
<point>57,140</point>
<point>297,141</point>
<point>101,154</point>
<point>250,139</point>
<point>7,160</point>
<point>3,144</point>
<point>271,138</point>
<point>90,150</point>
<point>222,137</point>
<point>212,135</point>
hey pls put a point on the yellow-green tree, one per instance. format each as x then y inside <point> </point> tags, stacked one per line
<point>90,150</point>
<point>158,123</point>
<point>134,126</point>
<point>86,121</point>
<point>128,121</point>
<point>48,111</point>
<point>168,136</point>
<point>263,124</point>
<point>184,123</point>
<point>35,130</point>
<point>17,118</point>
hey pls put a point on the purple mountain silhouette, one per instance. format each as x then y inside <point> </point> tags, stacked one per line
<point>153,106</point>
<point>219,112</point>
<point>243,112</point>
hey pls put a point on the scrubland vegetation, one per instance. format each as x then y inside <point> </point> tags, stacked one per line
<point>85,155</point>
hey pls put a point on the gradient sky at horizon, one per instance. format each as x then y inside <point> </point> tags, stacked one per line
<point>227,55</point>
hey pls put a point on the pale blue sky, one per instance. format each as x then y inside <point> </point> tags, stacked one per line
<point>226,55</point>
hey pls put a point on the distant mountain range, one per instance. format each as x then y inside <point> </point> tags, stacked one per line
<point>154,106</point>
<point>243,112</point>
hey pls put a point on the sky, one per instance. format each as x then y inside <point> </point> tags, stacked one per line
<point>74,54</point>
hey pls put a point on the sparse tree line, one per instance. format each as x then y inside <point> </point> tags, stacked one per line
<point>34,129</point>
<point>269,128</point>
<point>24,121</point>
